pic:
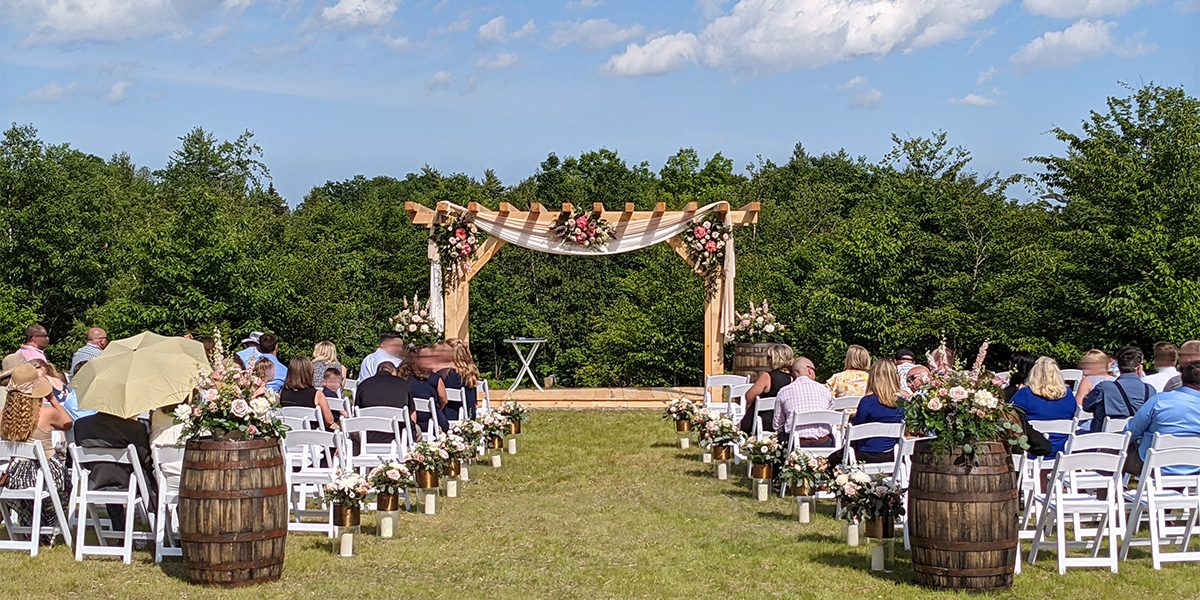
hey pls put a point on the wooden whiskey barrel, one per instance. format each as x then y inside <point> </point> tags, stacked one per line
<point>233,512</point>
<point>751,359</point>
<point>963,521</point>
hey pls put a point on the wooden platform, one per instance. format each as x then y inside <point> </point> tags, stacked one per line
<point>655,398</point>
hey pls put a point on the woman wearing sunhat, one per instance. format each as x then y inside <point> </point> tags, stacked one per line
<point>30,414</point>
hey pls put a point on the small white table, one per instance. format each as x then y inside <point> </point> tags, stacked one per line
<point>533,344</point>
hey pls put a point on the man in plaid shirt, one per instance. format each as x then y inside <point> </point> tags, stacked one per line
<point>804,394</point>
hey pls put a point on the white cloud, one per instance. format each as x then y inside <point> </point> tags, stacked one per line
<point>401,44</point>
<point>1187,6</point>
<point>237,5</point>
<point>496,31</point>
<point>439,81</point>
<point>1074,9</point>
<point>660,55</point>
<point>972,100</point>
<point>66,21</point>
<point>353,14</point>
<point>503,60</point>
<point>1083,40</point>
<point>986,76</point>
<point>459,25</point>
<point>51,93</point>
<point>593,34</point>
<point>583,4</point>
<point>116,93</point>
<point>710,8</point>
<point>764,36</point>
<point>861,95</point>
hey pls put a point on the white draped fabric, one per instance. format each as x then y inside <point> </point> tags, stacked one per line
<point>629,235</point>
<point>436,304</point>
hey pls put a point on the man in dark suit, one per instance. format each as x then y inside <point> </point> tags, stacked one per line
<point>384,389</point>
<point>108,431</point>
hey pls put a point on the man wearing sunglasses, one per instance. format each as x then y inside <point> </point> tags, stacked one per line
<point>97,339</point>
<point>36,340</point>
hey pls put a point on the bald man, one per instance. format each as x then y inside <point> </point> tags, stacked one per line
<point>97,339</point>
<point>804,394</point>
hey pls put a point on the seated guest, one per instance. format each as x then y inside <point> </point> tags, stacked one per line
<point>1122,397</point>
<point>325,357</point>
<point>331,382</point>
<point>30,414</point>
<point>916,378</point>
<point>423,383</point>
<point>852,380</point>
<point>36,341</point>
<point>103,430</point>
<point>1165,357</point>
<point>384,388</point>
<point>905,360</point>
<point>264,371</point>
<point>1189,351</point>
<point>268,347</point>
<point>391,346</point>
<point>1094,365</point>
<point>461,373</point>
<point>1018,373</point>
<point>803,394</point>
<point>298,390</point>
<point>97,339</point>
<point>248,356</point>
<point>1176,412</point>
<point>768,384</point>
<point>1046,397</point>
<point>877,406</point>
<point>56,379</point>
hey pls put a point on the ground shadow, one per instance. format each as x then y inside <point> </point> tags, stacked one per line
<point>664,445</point>
<point>856,558</point>
<point>822,538</point>
<point>738,492</point>
<point>780,516</point>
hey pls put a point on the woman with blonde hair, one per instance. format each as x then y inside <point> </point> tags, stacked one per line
<point>325,357</point>
<point>1094,364</point>
<point>1046,397</point>
<point>31,413</point>
<point>768,384</point>
<point>50,372</point>
<point>852,379</point>
<point>878,405</point>
<point>462,373</point>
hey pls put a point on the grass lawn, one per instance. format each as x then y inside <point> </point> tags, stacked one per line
<point>596,505</point>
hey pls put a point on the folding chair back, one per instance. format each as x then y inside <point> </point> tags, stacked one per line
<point>370,453</point>
<point>1158,496</point>
<point>1164,441</point>
<point>1072,476</point>
<point>835,420</point>
<point>846,402</point>
<point>166,520</point>
<point>720,382</point>
<point>396,414</point>
<point>1097,441</point>
<point>426,405</point>
<point>761,405</point>
<point>341,405</point>
<point>456,396</point>
<point>42,490</point>
<point>864,431</point>
<point>1072,377</point>
<point>1115,424</point>
<point>135,499</point>
<point>311,416</point>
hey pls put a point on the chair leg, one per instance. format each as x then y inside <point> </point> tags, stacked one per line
<point>159,528</point>
<point>1060,538</point>
<point>35,526</point>
<point>80,527</point>
<point>127,556</point>
<point>1154,531</point>
<point>1131,528</point>
<point>1112,539</point>
<point>1038,535</point>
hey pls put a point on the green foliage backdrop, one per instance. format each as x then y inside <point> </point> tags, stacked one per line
<point>885,254</point>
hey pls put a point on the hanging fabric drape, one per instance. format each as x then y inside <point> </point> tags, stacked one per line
<point>729,273</point>
<point>436,305</point>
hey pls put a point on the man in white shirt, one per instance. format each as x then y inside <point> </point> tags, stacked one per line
<point>804,394</point>
<point>905,360</point>
<point>1166,357</point>
<point>391,346</point>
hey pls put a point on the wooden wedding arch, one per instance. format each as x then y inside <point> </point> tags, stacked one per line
<point>456,300</point>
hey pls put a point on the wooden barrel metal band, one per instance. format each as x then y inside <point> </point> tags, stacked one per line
<point>234,537</point>
<point>964,496</point>
<point>233,566</point>
<point>235,464</point>
<point>920,542</point>
<point>233,494</point>
<point>959,471</point>
<point>238,445</point>
<point>963,572</point>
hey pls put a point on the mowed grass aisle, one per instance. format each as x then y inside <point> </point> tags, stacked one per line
<point>595,505</point>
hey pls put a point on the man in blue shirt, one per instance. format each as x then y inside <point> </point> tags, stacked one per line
<point>1122,398</point>
<point>250,352</point>
<point>1170,413</point>
<point>268,348</point>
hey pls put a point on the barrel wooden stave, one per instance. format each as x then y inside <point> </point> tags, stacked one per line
<point>963,524</point>
<point>749,360</point>
<point>233,512</point>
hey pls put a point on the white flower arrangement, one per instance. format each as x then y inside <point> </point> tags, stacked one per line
<point>390,477</point>
<point>415,323</point>
<point>348,488</point>
<point>757,325</point>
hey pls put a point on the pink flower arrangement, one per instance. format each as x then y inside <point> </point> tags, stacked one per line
<point>757,325</point>
<point>456,238</point>
<point>415,323</point>
<point>705,242</point>
<point>583,229</point>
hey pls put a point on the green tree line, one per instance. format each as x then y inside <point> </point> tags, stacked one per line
<point>890,254</point>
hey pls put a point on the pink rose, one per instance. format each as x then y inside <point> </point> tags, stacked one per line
<point>711,246</point>
<point>979,413</point>
<point>700,232</point>
<point>581,222</point>
<point>935,404</point>
<point>239,408</point>
<point>460,233</point>
<point>196,411</point>
<point>958,392</point>
<point>943,392</point>
<point>850,490</point>
<point>251,430</point>
<point>393,474</point>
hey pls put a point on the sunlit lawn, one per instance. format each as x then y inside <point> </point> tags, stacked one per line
<point>596,504</point>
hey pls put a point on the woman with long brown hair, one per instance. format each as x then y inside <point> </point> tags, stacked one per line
<point>424,383</point>
<point>461,374</point>
<point>27,419</point>
<point>298,390</point>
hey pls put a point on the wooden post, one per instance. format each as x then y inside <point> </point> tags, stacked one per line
<point>456,301</point>
<point>713,360</point>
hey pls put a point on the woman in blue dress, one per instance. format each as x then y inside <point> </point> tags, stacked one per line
<point>1046,397</point>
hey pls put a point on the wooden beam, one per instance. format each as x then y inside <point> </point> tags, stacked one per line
<point>537,207</point>
<point>506,208</point>
<point>473,207</point>
<point>629,206</point>
<point>597,207</point>
<point>567,207</point>
<point>690,208</point>
<point>660,207</point>
<point>488,250</point>
<point>541,215</point>
<point>678,246</point>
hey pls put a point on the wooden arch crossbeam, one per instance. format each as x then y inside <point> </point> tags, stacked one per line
<point>456,300</point>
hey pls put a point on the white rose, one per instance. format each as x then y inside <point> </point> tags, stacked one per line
<point>860,477</point>
<point>424,329</point>
<point>412,328</point>
<point>842,479</point>
<point>769,328</point>
<point>183,412</point>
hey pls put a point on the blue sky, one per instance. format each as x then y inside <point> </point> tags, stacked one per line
<point>335,88</point>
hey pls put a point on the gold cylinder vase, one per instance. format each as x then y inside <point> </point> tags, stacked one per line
<point>426,479</point>
<point>760,471</point>
<point>683,425</point>
<point>346,515</point>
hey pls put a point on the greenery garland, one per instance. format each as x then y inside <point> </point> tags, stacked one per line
<point>457,240</point>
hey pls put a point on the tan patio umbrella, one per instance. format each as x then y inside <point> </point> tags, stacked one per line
<point>141,373</point>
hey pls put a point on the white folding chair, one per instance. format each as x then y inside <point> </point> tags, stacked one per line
<point>855,433</point>
<point>42,489</point>
<point>1072,377</point>
<point>1115,424</point>
<point>483,396</point>
<point>1068,495</point>
<point>761,405</point>
<point>166,520</point>
<point>135,499</point>
<point>1157,494</point>
<point>296,423</point>
<point>352,385</point>
<point>391,412</point>
<point>901,469</point>
<point>456,395</point>
<point>834,420</point>
<point>721,382</point>
<point>846,402</point>
<point>1112,443</point>
<point>370,453</point>
<point>311,416</point>
<point>341,405</point>
<point>427,405</point>
<point>313,458</point>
